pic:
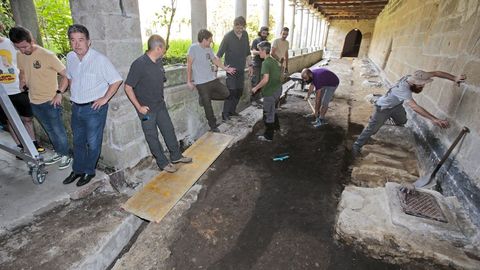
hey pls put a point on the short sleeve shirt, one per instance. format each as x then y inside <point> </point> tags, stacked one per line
<point>396,95</point>
<point>147,78</point>
<point>91,76</point>
<point>203,69</point>
<point>281,47</point>
<point>41,69</point>
<point>8,67</point>
<point>323,77</point>
<point>271,67</point>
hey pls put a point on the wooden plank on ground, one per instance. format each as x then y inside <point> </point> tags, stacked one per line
<point>162,193</point>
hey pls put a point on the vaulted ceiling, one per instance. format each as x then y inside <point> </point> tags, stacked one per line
<point>349,9</point>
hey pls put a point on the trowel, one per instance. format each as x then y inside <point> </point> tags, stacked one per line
<point>427,179</point>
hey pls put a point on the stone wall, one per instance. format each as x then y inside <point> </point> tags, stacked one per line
<point>339,29</point>
<point>438,35</point>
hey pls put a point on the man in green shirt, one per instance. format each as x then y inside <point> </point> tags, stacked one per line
<point>271,86</point>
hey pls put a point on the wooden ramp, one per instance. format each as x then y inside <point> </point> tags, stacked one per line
<point>162,193</point>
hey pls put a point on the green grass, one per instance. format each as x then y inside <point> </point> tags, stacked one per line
<point>177,51</point>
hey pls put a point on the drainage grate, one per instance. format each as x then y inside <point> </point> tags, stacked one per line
<point>421,204</point>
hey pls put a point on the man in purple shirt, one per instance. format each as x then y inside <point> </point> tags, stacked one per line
<point>325,83</point>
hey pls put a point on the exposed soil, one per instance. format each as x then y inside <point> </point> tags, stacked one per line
<point>256,213</point>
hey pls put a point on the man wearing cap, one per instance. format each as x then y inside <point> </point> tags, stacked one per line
<point>257,61</point>
<point>390,104</point>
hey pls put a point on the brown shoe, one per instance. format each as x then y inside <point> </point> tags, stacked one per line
<point>169,168</point>
<point>182,160</point>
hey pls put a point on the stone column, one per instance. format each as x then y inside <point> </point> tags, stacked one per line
<point>123,142</point>
<point>313,26</point>
<point>317,34</point>
<point>280,18</point>
<point>298,44</point>
<point>292,25</point>
<point>240,8</point>
<point>198,11</point>
<point>306,28</point>
<point>322,33</point>
<point>265,13</point>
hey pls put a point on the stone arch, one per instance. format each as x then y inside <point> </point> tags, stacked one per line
<point>351,47</point>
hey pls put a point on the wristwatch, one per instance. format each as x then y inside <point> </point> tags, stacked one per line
<point>59,92</point>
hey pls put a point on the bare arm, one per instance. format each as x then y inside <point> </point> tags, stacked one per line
<point>189,74</point>
<point>310,90</point>
<point>262,83</point>
<point>133,98</point>
<point>21,77</point>
<point>112,89</point>
<point>420,110</point>
<point>57,98</point>
<point>286,60</point>
<point>444,75</point>
<point>228,69</point>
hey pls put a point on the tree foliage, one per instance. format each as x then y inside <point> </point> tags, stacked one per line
<point>54,17</point>
<point>165,18</point>
<point>6,18</point>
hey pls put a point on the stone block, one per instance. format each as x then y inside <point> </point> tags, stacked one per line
<point>176,75</point>
<point>472,69</point>
<point>95,24</point>
<point>450,98</point>
<point>120,28</point>
<point>126,157</point>
<point>123,53</point>
<point>124,131</point>
<point>378,175</point>
<point>468,109</point>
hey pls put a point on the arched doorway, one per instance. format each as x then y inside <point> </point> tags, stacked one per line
<point>352,43</point>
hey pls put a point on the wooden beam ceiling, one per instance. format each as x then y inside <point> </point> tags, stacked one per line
<point>349,9</point>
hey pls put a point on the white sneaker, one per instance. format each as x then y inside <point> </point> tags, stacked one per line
<point>53,159</point>
<point>65,162</point>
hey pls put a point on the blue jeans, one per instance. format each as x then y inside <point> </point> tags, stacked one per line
<point>87,128</point>
<point>51,119</point>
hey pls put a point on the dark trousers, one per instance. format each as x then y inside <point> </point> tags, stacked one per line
<point>212,90</point>
<point>231,102</point>
<point>158,118</point>
<point>377,120</point>
<point>256,78</point>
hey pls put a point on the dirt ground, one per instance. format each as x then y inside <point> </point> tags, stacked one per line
<point>256,213</point>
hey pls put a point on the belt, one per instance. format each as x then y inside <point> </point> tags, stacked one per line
<point>83,104</point>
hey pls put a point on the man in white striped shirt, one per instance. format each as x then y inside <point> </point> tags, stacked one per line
<point>93,81</point>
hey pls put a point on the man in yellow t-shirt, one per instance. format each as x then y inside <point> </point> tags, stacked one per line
<point>38,71</point>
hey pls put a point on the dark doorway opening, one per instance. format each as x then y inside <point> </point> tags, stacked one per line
<point>352,43</point>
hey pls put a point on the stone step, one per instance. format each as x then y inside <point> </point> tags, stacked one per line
<point>86,234</point>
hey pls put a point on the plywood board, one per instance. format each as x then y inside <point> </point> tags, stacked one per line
<point>162,192</point>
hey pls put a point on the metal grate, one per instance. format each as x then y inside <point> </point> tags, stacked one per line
<point>421,204</point>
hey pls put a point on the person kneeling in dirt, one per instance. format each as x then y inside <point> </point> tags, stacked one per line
<point>325,83</point>
<point>271,86</point>
<point>389,106</point>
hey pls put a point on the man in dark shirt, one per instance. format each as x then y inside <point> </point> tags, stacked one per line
<point>257,61</point>
<point>144,88</point>
<point>235,47</point>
